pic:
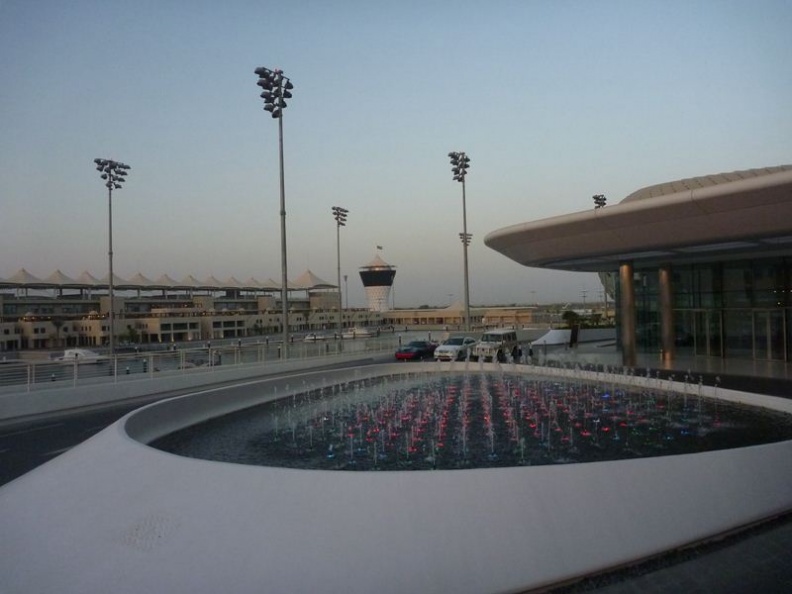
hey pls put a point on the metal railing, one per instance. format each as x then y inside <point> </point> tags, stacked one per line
<point>31,375</point>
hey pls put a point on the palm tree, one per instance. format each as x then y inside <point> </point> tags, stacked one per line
<point>571,318</point>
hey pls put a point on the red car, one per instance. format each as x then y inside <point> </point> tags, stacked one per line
<point>416,350</point>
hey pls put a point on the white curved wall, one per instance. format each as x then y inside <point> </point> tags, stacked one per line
<point>114,514</point>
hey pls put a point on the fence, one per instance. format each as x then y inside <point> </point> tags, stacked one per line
<point>36,375</point>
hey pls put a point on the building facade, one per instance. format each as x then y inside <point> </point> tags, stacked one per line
<point>703,265</point>
<point>60,312</point>
<point>54,317</point>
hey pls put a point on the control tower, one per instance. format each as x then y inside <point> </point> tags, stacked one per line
<point>377,277</point>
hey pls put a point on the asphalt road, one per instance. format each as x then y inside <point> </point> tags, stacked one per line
<point>27,444</point>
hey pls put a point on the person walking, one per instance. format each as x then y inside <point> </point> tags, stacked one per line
<point>516,354</point>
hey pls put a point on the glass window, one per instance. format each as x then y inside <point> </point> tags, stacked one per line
<point>682,284</point>
<point>769,283</point>
<point>738,285</point>
<point>738,326</point>
<point>709,285</point>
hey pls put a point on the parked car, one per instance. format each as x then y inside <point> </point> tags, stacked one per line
<point>455,348</point>
<point>495,345</point>
<point>81,357</point>
<point>416,350</point>
<point>314,337</point>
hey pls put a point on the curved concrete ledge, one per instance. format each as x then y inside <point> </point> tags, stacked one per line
<point>116,515</point>
<point>18,402</point>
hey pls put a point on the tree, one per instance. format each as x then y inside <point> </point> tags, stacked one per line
<point>131,335</point>
<point>571,318</point>
<point>58,323</point>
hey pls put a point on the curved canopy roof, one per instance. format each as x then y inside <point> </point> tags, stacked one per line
<point>139,281</point>
<point>308,280</point>
<point>24,279</point>
<point>60,279</point>
<point>713,217</point>
<point>704,181</point>
<point>86,279</point>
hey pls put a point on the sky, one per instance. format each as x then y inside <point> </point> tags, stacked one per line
<point>553,101</point>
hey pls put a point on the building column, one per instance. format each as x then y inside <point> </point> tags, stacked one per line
<point>666,313</point>
<point>627,317</point>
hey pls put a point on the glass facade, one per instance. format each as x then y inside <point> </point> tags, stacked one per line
<point>735,309</point>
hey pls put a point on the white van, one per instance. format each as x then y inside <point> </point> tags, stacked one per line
<point>496,345</point>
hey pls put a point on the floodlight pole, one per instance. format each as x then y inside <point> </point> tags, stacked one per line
<point>114,173</point>
<point>110,287</point>
<point>460,163</point>
<point>284,271</point>
<point>599,200</point>
<point>340,215</point>
<point>276,89</point>
<point>465,243</point>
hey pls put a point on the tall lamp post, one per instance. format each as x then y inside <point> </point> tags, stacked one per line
<point>114,174</point>
<point>276,89</point>
<point>459,166</point>
<point>599,200</point>
<point>340,215</point>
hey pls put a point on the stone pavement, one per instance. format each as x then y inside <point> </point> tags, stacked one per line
<point>758,559</point>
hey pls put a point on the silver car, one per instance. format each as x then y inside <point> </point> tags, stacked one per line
<point>455,348</point>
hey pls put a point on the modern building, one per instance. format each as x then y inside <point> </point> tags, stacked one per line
<point>704,265</point>
<point>452,318</point>
<point>59,311</point>
<point>377,277</point>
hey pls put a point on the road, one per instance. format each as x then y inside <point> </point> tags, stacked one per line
<point>27,444</point>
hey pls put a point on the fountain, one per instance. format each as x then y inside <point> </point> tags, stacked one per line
<point>463,478</point>
<point>455,420</point>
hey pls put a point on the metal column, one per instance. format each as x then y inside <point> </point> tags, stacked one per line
<point>627,318</point>
<point>666,313</point>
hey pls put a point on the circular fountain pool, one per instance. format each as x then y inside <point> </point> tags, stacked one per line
<point>425,421</point>
<point>140,517</point>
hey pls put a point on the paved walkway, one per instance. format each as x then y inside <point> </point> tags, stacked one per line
<point>758,559</point>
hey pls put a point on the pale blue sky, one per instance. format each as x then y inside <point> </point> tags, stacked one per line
<point>553,101</point>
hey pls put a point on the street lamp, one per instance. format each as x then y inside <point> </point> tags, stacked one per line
<point>276,89</point>
<point>459,166</point>
<point>114,173</point>
<point>340,215</point>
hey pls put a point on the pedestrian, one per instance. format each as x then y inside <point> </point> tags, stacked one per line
<point>530,354</point>
<point>516,354</point>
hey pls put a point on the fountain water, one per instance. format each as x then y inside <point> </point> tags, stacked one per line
<point>455,420</point>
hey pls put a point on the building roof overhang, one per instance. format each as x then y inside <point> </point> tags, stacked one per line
<point>739,218</point>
